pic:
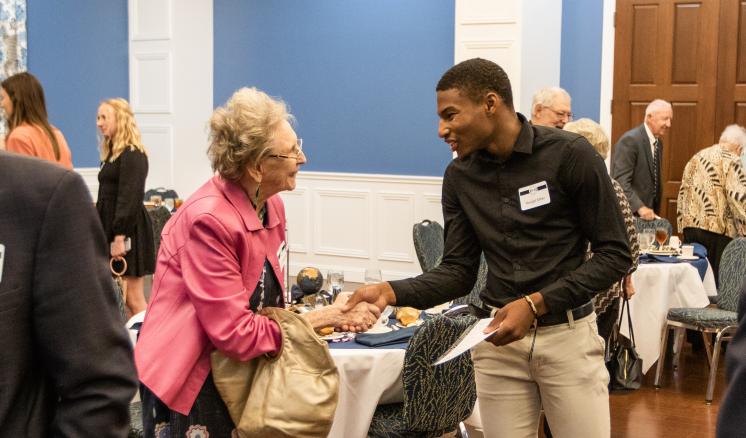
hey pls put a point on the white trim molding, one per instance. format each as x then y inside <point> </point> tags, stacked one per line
<point>359,221</point>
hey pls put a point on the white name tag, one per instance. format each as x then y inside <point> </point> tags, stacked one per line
<point>282,256</point>
<point>534,195</point>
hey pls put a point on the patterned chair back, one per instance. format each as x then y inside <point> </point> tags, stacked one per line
<point>438,398</point>
<point>428,243</point>
<point>732,274</point>
<point>473,296</point>
<point>158,218</point>
<point>643,225</point>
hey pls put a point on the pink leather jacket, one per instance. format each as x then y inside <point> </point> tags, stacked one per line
<point>211,257</point>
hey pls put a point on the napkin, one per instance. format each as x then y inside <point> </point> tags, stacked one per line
<point>385,339</point>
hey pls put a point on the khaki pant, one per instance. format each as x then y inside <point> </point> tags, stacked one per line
<point>566,375</point>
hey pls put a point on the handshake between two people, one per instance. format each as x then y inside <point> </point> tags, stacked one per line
<point>510,323</point>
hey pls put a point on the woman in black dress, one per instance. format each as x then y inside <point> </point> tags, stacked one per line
<point>124,167</point>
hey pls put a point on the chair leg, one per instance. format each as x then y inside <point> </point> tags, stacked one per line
<point>707,340</point>
<point>662,355</point>
<point>713,368</point>
<point>678,345</point>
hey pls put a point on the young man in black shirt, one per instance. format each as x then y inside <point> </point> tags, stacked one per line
<point>530,198</point>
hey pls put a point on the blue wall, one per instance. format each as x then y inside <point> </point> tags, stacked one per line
<point>580,66</point>
<point>359,75</point>
<point>78,50</point>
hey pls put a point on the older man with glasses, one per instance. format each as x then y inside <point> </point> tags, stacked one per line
<point>551,107</point>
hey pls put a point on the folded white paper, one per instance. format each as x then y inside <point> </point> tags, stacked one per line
<point>474,336</point>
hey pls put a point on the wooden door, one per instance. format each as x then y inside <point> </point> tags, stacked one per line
<point>731,94</point>
<point>667,49</point>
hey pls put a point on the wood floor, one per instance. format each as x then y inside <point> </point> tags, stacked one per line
<point>677,409</point>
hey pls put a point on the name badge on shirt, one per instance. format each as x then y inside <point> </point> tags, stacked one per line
<point>282,256</point>
<point>534,195</point>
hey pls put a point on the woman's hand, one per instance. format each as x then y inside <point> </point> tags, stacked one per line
<point>117,248</point>
<point>358,318</point>
<point>628,288</point>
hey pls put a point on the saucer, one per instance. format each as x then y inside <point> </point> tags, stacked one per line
<point>681,257</point>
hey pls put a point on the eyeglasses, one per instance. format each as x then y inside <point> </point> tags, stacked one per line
<point>296,153</point>
<point>560,114</point>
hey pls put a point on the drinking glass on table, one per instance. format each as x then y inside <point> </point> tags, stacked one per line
<point>336,282</point>
<point>661,235</point>
<point>647,238</point>
<point>372,276</point>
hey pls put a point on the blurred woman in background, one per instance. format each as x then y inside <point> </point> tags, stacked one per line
<point>29,131</point>
<point>124,168</point>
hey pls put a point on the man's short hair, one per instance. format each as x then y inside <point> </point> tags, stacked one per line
<point>657,105</point>
<point>476,77</point>
<point>734,134</point>
<point>547,96</point>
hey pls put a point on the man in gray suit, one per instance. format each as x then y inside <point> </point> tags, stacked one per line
<point>637,158</point>
<point>67,367</point>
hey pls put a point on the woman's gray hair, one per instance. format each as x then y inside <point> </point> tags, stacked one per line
<point>593,132</point>
<point>734,134</point>
<point>241,132</point>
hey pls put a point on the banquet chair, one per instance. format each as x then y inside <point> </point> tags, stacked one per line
<point>643,225</point>
<point>428,244</point>
<point>436,398</point>
<point>722,320</point>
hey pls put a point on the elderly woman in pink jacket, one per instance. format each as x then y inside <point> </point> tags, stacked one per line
<point>220,262</point>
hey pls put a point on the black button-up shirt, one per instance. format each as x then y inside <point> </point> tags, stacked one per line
<point>540,248</point>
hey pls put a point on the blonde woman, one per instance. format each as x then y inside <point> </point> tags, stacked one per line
<point>124,167</point>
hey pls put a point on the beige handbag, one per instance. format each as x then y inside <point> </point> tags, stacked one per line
<point>291,395</point>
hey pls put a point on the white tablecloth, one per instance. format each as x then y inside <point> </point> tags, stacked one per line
<point>367,377</point>
<point>659,287</point>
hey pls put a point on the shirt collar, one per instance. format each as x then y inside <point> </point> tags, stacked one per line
<point>525,141</point>
<point>240,201</point>
<point>651,137</point>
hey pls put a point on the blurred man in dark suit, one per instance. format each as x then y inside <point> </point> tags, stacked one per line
<point>67,367</point>
<point>636,164</point>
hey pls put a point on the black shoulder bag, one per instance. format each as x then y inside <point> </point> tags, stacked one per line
<point>625,366</point>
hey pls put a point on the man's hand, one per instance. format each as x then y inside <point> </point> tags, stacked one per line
<point>646,213</point>
<point>379,295</point>
<point>512,322</point>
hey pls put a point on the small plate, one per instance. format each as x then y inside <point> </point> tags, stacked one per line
<point>333,336</point>
<point>666,252</point>
<point>681,257</point>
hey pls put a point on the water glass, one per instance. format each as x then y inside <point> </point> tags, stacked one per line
<point>646,240</point>
<point>336,282</point>
<point>372,276</point>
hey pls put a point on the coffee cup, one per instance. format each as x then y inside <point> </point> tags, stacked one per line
<point>687,251</point>
<point>674,242</point>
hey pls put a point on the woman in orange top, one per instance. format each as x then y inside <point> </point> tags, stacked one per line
<point>29,130</point>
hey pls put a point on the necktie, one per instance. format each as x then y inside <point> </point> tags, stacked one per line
<point>656,170</point>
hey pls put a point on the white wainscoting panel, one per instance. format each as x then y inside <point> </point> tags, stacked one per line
<point>358,221</point>
<point>340,216</point>
<point>151,20</point>
<point>151,82</point>
<point>159,142</point>
<point>90,177</point>
<point>394,241</point>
